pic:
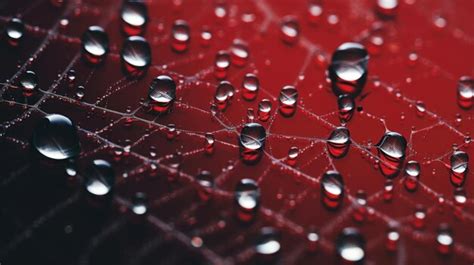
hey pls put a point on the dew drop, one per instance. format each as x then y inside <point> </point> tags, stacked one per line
<point>360,212</point>
<point>247,199</point>
<point>288,100</point>
<point>419,217</point>
<point>162,93</point>
<point>136,56</point>
<point>264,109</point>
<point>350,245</point>
<point>139,204</point>
<point>29,83</point>
<point>206,184</point>
<point>459,163</point>
<point>346,106</point>
<point>312,239</point>
<point>315,11</point>
<point>250,86</point>
<point>206,37</point>
<point>290,30</point>
<point>252,142</point>
<point>224,93</point>
<point>181,36</point>
<point>15,30</point>
<point>339,142</point>
<point>268,242</point>
<point>348,69</point>
<point>391,240</point>
<point>420,108</point>
<point>292,157</point>
<point>387,8</point>
<point>391,149</point>
<point>55,137</point>
<point>465,91</point>
<point>239,53</point>
<point>221,64</point>
<point>460,197</point>
<point>100,178</point>
<point>209,143</point>
<point>444,239</point>
<point>332,189</point>
<point>388,190</point>
<point>95,44</point>
<point>134,15</point>
<point>412,175</point>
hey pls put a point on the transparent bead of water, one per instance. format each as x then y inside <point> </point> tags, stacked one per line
<point>224,93</point>
<point>288,101</point>
<point>459,166</point>
<point>95,44</point>
<point>239,52</point>
<point>221,64</point>
<point>134,15</point>
<point>250,85</point>
<point>292,157</point>
<point>206,184</point>
<point>14,31</point>
<point>332,189</point>
<point>209,143</point>
<point>247,199</point>
<point>29,83</point>
<point>181,36</point>
<point>444,239</point>
<point>136,56</point>
<point>412,175</point>
<point>465,92</point>
<point>346,106</point>
<point>350,245</point>
<point>100,178</point>
<point>392,152</point>
<point>264,109</point>
<point>289,30</point>
<point>392,239</point>
<point>268,242</point>
<point>387,8</point>
<point>252,142</point>
<point>419,217</point>
<point>139,204</point>
<point>162,93</point>
<point>338,142</point>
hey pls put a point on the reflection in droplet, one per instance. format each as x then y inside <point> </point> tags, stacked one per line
<point>288,101</point>
<point>350,245</point>
<point>139,204</point>
<point>250,86</point>
<point>206,183</point>
<point>290,30</point>
<point>134,15</point>
<point>392,239</point>
<point>181,36</point>
<point>412,175</point>
<point>268,243</point>
<point>252,142</point>
<point>221,64</point>
<point>95,44</point>
<point>339,142</point>
<point>29,83</point>
<point>55,137</point>
<point>360,212</point>
<point>391,149</point>
<point>224,93</point>
<point>459,163</point>
<point>312,239</point>
<point>332,189</point>
<point>239,53</point>
<point>136,56</point>
<point>247,199</point>
<point>264,109</point>
<point>465,92</point>
<point>419,217</point>
<point>444,239</point>
<point>162,93</point>
<point>14,31</point>
<point>100,178</point>
<point>209,141</point>
<point>346,106</point>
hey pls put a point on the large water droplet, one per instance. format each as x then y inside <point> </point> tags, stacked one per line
<point>99,178</point>
<point>136,56</point>
<point>332,189</point>
<point>268,243</point>
<point>339,142</point>
<point>247,199</point>
<point>55,137</point>
<point>412,175</point>
<point>250,86</point>
<point>346,106</point>
<point>350,245</point>
<point>14,31</point>
<point>95,44</point>
<point>181,36</point>
<point>465,93</point>
<point>162,93</point>
<point>252,142</point>
<point>134,15</point>
<point>391,149</point>
<point>348,69</point>
<point>29,83</point>
<point>290,30</point>
<point>459,163</point>
<point>288,100</point>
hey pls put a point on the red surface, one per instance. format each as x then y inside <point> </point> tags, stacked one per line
<point>290,196</point>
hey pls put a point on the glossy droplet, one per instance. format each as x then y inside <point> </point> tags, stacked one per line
<point>247,199</point>
<point>332,189</point>
<point>55,137</point>
<point>136,56</point>
<point>29,83</point>
<point>290,30</point>
<point>100,178</point>
<point>419,217</point>
<point>465,92</point>
<point>252,142</point>
<point>387,8</point>
<point>420,108</point>
<point>95,44</point>
<point>268,244</point>
<point>162,93</point>
<point>181,36</point>
<point>459,163</point>
<point>139,204</point>
<point>264,109</point>
<point>292,157</point>
<point>250,86</point>
<point>221,64</point>
<point>460,197</point>
<point>346,106</point>
<point>206,183</point>
<point>315,11</point>
<point>224,93</point>
<point>209,143</point>
<point>412,175</point>
<point>134,15</point>
<point>206,37</point>
<point>391,240</point>
<point>350,245</point>
<point>288,100</point>
<point>391,149</point>
<point>339,142</point>
<point>239,53</point>
<point>14,31</point>
<point>444,239</point>
<point>348,69</point>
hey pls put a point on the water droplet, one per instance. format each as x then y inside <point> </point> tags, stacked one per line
<point>439,21</point>
<point>139,204</point>
<point>224,93</point>
<point>346,106</point>
<point>392,239</point>
<point>465,93</point>
<point>209,141</point>
<point>29,83</point>
<point>339,142</point>
<point>206,183</point>
<point>444,239</point>
<point>288,100</point>
<point>206,37</point>
<point>412,175</point>
<point>250,115</point>
<point>419,217</point>
<point>264,109</point>
<point>250,86</point>
<point>221,64</point>
<point>350,245</point>
<point>268,242</point>
<point>420,108</point>
<point>360,212</point>
<point>459,162</point>
<point>162,93</point>
<point>387,8</point>
<point>55,137</point>
<point>171,131</point>
<point>315,11</point>
<point>252,142</point>
<point>181,36</point>
<point>388,190</point>
<point>134,15</point>
<point>293,154</point>
<point>95,44</point>
<point>348,69</point>
<point>312,241</point>
<point>332,189</point>
<point>136,56</point>
<point>391,149</point>
<point>239,53</point>
<point>290,30</point>
<point>247,199</point>
<point>460,197</point>
<point>14,30</point>
<point>100,178</point>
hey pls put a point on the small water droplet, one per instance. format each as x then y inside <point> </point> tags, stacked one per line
<point>420,108</point>
<point>292,157</point>
<point>290,30</point>
<point>239,53</point>
<point>339,142</point>
<point>387,8</point>
<point>392,239</point>
<point>250,86</point>
<point>14,30</point>
<point>29,83</point>
<point>412,175</point>
<point>391,149</point>
<point>444,239</point>
<point>139,204</point>
<point>264,109</point>
<point>312,239</point>
<point>95,44</point>
<point>252,142</point>
<point>388,190</point>
<point>288,100</point>
<point>162,93</point>
<point>209,141</point>
<point>206,184</point>
<point>181,36</point>
<point>350,245</point>
<point>221,64</point>
<point>465,92</point>
<point>419,217</point>
<point>268,243</point>
<point>332,189</point>
<point>224,93</point>
<point>247,199</point>
<point>459,163</point>
<point>315,11</point>
<point>346,106</point>
<point>206,37</point>
<point>136,56</point>
<point>100,178</point>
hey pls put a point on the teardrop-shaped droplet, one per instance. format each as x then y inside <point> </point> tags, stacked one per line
<point>444,239</point>
<point>350,245</point>
<point>264,109</point>
<point>162,93</point>
<point>290,30</point>
<point>459,163</point>
<point>95,44</point>
<point>247,199</point>
<point>100,178</point>
<point>239,53</point>
<point>55,137</point>
<point>29,83</point>
<point>136,56</point>
<point>206,183</point>
<point>332,189</point>
<point>392,151</point>
<point>346,106</point>
<point>221,64</point>
<point>250,86</point>
<point>134,15</point>
<point>339,142</point>
<point>288,101</point>
<point>465,92</point>
<point>14,31</point>
<point>252,142</point>
<point>268,243</point>
<point>348,69</point>
<point>224,93</point>
<point>387,8</point>
<point>181,36</point>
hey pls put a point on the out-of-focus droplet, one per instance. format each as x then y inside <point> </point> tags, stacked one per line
<point>350,245</point>
<point>315,11</point>
<point>348,69</point>
<point>412,175</point>
<point>360,212</point>
<point>224,93</point>
<point>209,141</point>
<point>247,199</point>
<point>387,8</point>
<point>29,83</point>
<point>206,184</point>
<point>95,44</point>
<point>139,205</point>
<point>181,36</point>
<point>99,178</point>
<point>221,64</point>
<point>252,142</point>
<point>250,86</point>
<point>444,239</point>
<point>332,189</point>
<point>388,190</point>
<point>460,197</point>
<point>134,15</point>
<point>239,52</point>
<point>459,163</point>
<point>290,30</point>
<point>136,56</point>
<point>264,109</point>
<point>206,37</point>
<point>293,154</point>
<point>288,101</point>
<point>465,92</point>
<point>391,240</point>
<point>162,93</point>
<point>346,106</point>
<point>268,243</point>
<point>392,151</point>
<point>55,137</point>
<point>419,217</point>
<point>14,31</point>
<point>339,142</point>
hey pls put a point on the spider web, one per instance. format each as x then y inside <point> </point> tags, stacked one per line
<point>114,125</point>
